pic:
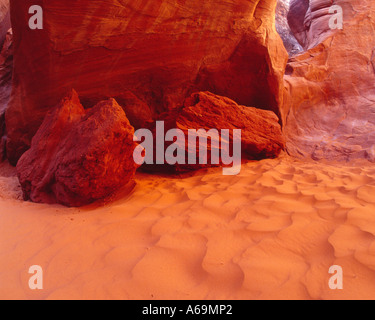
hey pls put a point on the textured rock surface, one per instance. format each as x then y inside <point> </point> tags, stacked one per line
<point>296,20</point>
<point>160,50</point>
<point>6,57</point>
<point>290,42</point>
<point>261,135</point>
<point>2,137</point>
<point>261,131</point>
<point>6,69</point>
<point>4,20</point>
<point>309,19</point>
<point>330,90</point>
<point>78,156</point>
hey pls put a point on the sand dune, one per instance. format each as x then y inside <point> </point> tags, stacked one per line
<point>271,232</point>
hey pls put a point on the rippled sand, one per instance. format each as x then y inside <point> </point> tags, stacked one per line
<point>271,232</point>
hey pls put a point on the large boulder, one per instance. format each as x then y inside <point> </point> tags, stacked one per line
<point>260,129</point>
<point>261,135</point>
<point>159,50</point>
<point>78,156</point>
<point>330,89</point>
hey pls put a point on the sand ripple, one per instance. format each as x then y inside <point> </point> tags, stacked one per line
<point>271,232</point>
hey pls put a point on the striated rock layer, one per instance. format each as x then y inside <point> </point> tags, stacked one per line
<point>309,19</point>
<point>330,89</point>
<point>282,26</point>
<point>296,20</point>
<point>78,156</point>
<point>159,50</point>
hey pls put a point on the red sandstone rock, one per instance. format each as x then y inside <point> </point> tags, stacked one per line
<point>6,68</point>
<point>261,131</point>
<point>78,156</point>
<point>137,111</point>
<point>159,50</point>
<point>6,65</point>
<point>4,20</point>
<point>2,137</point>
<point>261,135</point>
<point>330,89</point>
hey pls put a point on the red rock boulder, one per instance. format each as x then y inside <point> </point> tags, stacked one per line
<point>261,135</point>
<point>78,156</point>
<point>261,132</point>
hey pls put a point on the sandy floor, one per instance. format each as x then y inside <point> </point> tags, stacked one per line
<point>270,233</point>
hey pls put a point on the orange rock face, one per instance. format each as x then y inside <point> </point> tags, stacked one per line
<point>160,51</point>
<point>78,156</point>
<point>330,93</point>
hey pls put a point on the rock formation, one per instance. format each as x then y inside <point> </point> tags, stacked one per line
<point>78,156</point>
<point>282,26</point>
<point>261,135</point>
<point>160,51</point>
<point>296,20</point>
<point>2,137</point>
<point>261,132</point>
<point>309,19</point>
<point>330,89</point>
<point>6,70</point>
<point>5,24</point>
<point>6,67</point>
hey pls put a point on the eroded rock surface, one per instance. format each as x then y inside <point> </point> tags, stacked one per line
<point>6,70</point>
<point>5,24</point>
<point>78,156</point>
<point>159,50</point>
<point>282,26</point>
<point>330,89</point>
<point>261,135</point>
<point>309,19</point>
<point>6,66</point>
